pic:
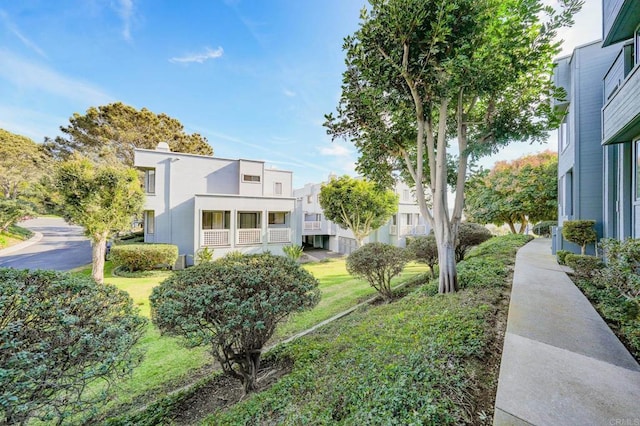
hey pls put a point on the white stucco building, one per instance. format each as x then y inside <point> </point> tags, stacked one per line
<point>319,232</point>
<point>196,201</point>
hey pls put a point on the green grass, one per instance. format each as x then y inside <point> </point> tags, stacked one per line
<point>420,360</point>
<point>340,291</point>
<point>14,235</point>
<point>168,364</point>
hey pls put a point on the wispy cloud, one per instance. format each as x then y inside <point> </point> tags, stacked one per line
<point>199,57</point>
<point>288,93</point>
<point>125,11</point>
<point>15,31</point>
<point>30,76</point>
<point>335,150</point>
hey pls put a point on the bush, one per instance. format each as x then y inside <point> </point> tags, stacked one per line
<point>583,266</point>
<point>580,232</point>
<point>293,252</point>
<point>58,333</point>
<point>561,255</point>
<point>543,229</point>
<point>204,255</point>
<point>622,271</point>
<point>234,305</point>
<point>378,263</point>
<point>144,257</point>
<point>469,235</point>
<point>425,250</point>
<point>502,249</point>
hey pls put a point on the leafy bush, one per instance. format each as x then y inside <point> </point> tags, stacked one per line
<point>11,211</point>
<point>580,232</point>
<point>59,333</point>
<point>583,266</point>
<point>144,257</point>
<point>469,235</point>
<point>19,232</point>
<point>234,305</point>
<point>561,255</point>
<point>543,229</point>
<point>502,249</point>
<point>623,267</point>
<point>424,249</point>
<point>293,252</point>
<point>204,255</point>
<point>377,263</point>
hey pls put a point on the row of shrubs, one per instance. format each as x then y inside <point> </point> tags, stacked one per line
<point>612,286</point>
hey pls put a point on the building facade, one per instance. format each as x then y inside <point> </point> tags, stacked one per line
<point>621,119</point>
<point>580,153</point>
<point>196,201</point>
<point>319,232</point>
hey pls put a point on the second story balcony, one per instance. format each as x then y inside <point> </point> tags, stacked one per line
<point>620,18</point>
<point>621,111</point>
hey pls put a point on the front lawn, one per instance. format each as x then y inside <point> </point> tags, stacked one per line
<point>169,365</point>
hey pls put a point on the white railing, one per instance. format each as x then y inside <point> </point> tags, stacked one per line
<point>312,225</point>
<point>214,237</point>
<point>393,229</point>
<point>249,236</point>
<point>279,235</point>
<point>406,229</point>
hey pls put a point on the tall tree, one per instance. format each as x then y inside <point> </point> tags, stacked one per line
<point>357,204</point>
<point>22,163</point>
<point>426,76</point>
<point>102,199</point>
<point>110,132</point>
<point>515,192</point>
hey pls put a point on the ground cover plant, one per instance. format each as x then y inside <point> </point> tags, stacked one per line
<point>168,365</point>
<point>423,359</point>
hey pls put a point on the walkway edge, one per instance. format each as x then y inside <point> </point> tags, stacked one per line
<point>36,238</point>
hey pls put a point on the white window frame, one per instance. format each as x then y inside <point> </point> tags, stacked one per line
<point>150,181</point>
<point>277,188</point>
<point>277,218</point>
<point>150,222</point>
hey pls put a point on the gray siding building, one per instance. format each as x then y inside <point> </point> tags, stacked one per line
<point>621,119</point>
<point>580,153</point>
<point>196,201</point>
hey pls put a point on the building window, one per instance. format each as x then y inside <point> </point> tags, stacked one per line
<point>567,194</point>
<point>249,220</point>
<point>277,218</point>
<point>149,222</point>
<point>637,46</point>
<point>394,220</point>
<point>150,181</point>
<point>563,135</point>
<point>637,171</point>
<point>309,199</point>
<point>251,178</point>
<point>277,188</point>
<point>216,219</point>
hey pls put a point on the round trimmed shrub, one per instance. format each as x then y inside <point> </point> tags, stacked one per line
<point>424,249</point>
<point>378,263</point>
<point>469,235</point>
<point>144,257</point>
<point>234,304</point>
<point>59,333</point>
<point>580,232</point>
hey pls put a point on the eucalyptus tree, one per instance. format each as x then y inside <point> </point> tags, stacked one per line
<point>22,163</point>
<point>109,133</point>
<point>431,85</point>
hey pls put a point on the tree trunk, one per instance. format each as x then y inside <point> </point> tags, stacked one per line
<point>583,249</point>
<point>99,251</point>
<point>250,371</point>
<point>512,227</point>
<point>448,279</point>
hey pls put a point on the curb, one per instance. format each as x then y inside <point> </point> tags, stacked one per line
<point>36,238</point>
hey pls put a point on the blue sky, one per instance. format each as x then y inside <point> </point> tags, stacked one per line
<point>255,77</point>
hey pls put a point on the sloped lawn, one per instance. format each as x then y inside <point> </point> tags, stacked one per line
<point>168,365</point>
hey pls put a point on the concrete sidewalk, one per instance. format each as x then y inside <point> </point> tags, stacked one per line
<point>561,364</point>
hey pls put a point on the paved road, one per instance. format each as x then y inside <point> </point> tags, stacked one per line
<point>61,248</point>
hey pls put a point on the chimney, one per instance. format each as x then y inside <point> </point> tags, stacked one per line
<point>163,146</point>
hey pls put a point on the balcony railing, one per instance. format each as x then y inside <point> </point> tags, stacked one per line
<point>279,235</point>
<point>312,225</point>
<point>248,236</point>
<point>412,230</point>
<point>214,237</point>
<point>393,229</point>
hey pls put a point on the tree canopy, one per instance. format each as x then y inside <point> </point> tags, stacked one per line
<point>357,204</point>
<point>102,199</point>
<point>515,192</point>
<point>426,77</point>
<point>22,163</point>
<point>110,132</point>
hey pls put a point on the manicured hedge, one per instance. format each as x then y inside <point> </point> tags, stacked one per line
<point>144,257</point>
